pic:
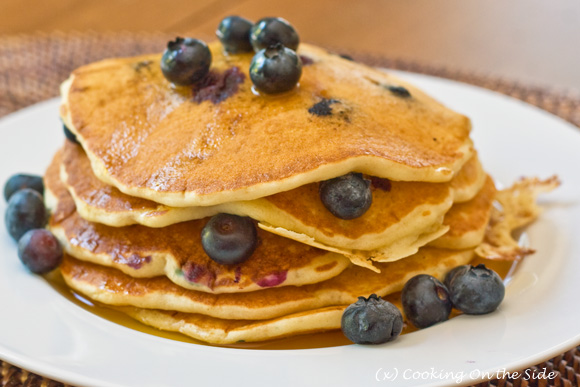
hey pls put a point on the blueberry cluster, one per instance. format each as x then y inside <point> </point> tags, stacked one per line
<point>25,219</point>
<point>469,289</point>
<point>426,301</point>
<point>275,68</point>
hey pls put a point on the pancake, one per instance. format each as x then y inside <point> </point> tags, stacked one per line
<point>469,181</point>
<point>220,331</point>
<point>175,251</point>
<point>468,221</point>
<point>462,227</point>
<point>154,141</point>
<point>403,217</point>
<point>112,287</point>
<point>102,203</point>
<point>517,208</point>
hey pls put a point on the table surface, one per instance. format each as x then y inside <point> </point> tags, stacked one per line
<point>530,41</point>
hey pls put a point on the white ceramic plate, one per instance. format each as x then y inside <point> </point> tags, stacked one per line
<point>539,318</point>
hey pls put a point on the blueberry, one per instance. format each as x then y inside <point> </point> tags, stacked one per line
<point>371,321</point>
<point>70,135</point>
<point>477,290</point>
<point>275,70</point>
<point>234,33</point>
<point>322,108</point>
<point>21,181</point>
<point>271,30</point>
<point>25,212</point>
<point>185,61</point>
<point>229,239</point>
<point>40,251</point>
<point>425,301</point>
<point>454,272</point>
<point>346,197</point>
<point>399,91</point>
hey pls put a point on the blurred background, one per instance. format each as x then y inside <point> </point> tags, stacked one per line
<point>534,42</point>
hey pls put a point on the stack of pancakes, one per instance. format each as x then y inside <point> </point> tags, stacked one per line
<point>152,163</point>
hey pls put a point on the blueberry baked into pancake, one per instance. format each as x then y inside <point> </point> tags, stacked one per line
<point>258,187</point>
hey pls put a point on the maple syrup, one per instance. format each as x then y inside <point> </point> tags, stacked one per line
<point>505,269</point>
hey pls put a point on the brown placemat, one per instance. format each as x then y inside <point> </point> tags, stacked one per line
<point>33,66</point>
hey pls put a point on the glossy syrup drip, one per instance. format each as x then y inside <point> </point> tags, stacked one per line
<point>505,269</point>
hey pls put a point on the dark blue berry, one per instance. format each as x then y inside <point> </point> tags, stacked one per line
<point>322,108</point>
<point>346,197</point>
<point>477,290</point>
<point>399,91</point>
<point>425,301</point>
<point>271,30</point>
<point>371,321</point>
<point>275,70</point>
<point>25,212</point>
<point>229,239</point>
<point>21,181</point>
<point>40,251</point>
<point>234,33</point>
<point>454,272</point>
<point>70,135</point>
<point>185,61</point>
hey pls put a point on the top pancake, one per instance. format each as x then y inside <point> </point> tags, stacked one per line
<point>152,140</point>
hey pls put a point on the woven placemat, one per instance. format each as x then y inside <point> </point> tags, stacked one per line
<point>33,66</point>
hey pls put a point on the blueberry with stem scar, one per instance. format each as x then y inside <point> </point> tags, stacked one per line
<point>346,197</point>
<point>371,321</point>
<point>275,70</point>
<point>425,301</point>
<point>185,61</point>
<point>229,239</point>
<point>477,290</point>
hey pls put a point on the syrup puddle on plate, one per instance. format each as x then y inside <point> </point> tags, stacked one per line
<point>505,269</point>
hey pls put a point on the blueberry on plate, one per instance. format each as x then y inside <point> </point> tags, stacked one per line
<point>229,239</point>
<point>234,34</point>
<point>477,290</point>
<point>185,61</point>
<point>40,251</point>
<point>21,181</point>
<point>346,197</point>
<point>275,70</point>
<point>271,30</point>
<point>425,301</point>
<point>25,212</point>
<point>371,321</point>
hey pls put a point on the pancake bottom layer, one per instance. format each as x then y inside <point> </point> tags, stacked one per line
<point>219,331</point>
<point>112,287</point>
